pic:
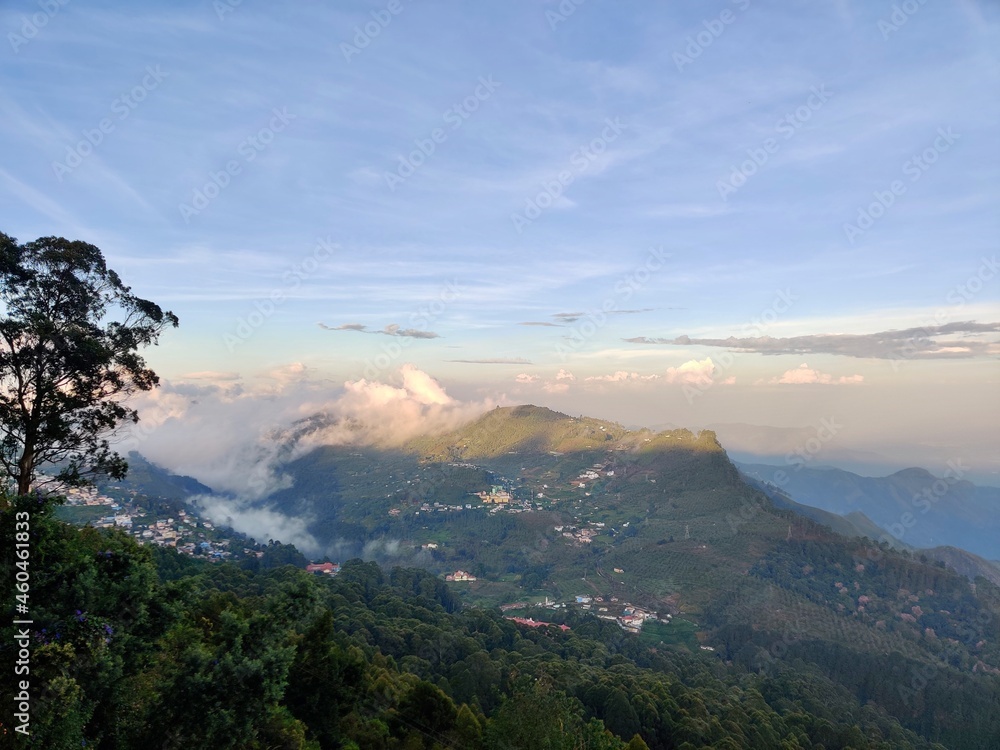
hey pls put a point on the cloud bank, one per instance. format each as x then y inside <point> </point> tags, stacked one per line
<point>493,361</point>
<point>693,372</point>
<point>236,437</point>
<point>964,340</point>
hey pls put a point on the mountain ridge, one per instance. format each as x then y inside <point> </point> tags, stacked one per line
<point>911,505</point>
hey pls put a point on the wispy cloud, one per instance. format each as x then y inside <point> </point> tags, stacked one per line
<point>390,330</point>
<point>563,319</point>
<point>493,361</point>
<point>692,372</point>
<point>213,375</point>
<point>622,376</point>
<point>928,342</point>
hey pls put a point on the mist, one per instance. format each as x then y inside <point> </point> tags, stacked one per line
<point>235,437</point>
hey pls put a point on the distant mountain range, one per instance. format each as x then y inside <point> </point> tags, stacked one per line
<point>764,444</point>
<point>911,506</point>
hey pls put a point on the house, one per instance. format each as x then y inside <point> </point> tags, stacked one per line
<point>327,568</point>
<point>460,575</point>
<point>583,600</point>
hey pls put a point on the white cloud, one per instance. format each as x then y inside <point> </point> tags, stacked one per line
<point>622,376</point>
<point>233,437</point>
<point>692,372</point>
<point>805,375</point>
<point>260,523</point>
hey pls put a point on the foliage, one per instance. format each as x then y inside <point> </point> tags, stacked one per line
<point>223,657</point>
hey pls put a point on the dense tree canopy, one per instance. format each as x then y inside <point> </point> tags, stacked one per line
<point>133,650</point>
<point>70,335</point>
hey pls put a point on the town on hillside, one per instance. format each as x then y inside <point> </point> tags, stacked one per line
<point>131,512</point>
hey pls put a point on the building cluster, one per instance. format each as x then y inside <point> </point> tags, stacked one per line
<point>630,617</point>
<point>460,575</point>
<point>496,499</point>
<point>578,535</point>
<point>592,474</point>
<point>186,533</point>
<point>437,508</point>
<point>497,495</point>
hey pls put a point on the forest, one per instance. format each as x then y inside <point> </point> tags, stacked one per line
<point>136,646</point>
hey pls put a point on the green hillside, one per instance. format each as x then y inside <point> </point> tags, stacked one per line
<point>139,647</point>
<point>665,522</point>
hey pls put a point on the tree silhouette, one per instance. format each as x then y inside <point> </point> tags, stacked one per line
<point>70,332</point>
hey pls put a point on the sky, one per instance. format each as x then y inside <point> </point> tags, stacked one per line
<point>750,212</point>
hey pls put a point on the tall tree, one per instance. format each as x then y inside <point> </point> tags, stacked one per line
<point>70,335</point>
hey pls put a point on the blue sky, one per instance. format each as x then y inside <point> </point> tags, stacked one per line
<point>521,190</point>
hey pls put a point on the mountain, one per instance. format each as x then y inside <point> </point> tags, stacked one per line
<point>765,444</point>
<point>854,524</point>
<point>970,565</point>
<point>151,480</point>
<point>587,511</point>
<point>758,625</point>
<point>912,506</point>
